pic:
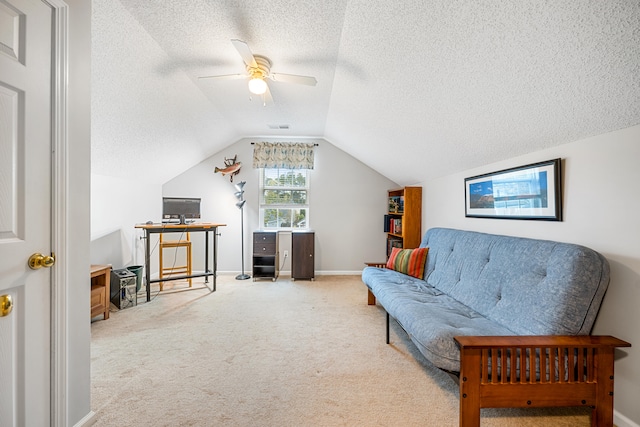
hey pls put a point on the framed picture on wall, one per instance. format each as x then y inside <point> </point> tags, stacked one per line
<point>527,192</point>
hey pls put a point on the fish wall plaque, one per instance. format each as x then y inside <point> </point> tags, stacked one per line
<point>232,167</point>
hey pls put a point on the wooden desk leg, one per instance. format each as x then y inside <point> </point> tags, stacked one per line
<point>206,256</point>
<point>215,257</point>
<point>147,262</point>
<point>107,290</point>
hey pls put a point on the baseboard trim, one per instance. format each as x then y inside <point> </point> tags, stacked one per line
<point>621,421</point>
<point>87,421</point>
<point>318,273</point>
<point>339,273</point>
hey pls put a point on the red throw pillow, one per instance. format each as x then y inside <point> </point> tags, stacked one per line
<point>408,261</point>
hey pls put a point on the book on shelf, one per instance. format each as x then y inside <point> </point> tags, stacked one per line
<point>392,224</point>
<point>395,225</point>
<point>393,242</point>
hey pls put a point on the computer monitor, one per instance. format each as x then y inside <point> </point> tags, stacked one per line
<point>180,209</point>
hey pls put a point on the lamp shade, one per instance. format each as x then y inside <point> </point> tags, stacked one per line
<point>240,185</point>
<point>239,205</point>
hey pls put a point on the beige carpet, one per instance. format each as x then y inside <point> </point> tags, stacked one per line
<point>284,353</point>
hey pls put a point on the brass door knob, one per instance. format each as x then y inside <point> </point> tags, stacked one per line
<point>38,260</point>
<point>6,305</point>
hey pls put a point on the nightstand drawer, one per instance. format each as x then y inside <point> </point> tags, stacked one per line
<point>264,248</point>
<point>259,238</point>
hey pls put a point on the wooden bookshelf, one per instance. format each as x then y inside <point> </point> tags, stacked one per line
<point>403,221</point>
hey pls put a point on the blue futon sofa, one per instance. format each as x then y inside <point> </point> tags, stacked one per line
<point>511,316</point>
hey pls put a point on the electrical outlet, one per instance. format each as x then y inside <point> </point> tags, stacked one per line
<point>286,254</point>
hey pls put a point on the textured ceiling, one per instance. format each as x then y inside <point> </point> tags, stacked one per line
<point>442,85</point>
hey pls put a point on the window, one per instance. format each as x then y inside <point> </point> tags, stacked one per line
<point>284,198</point>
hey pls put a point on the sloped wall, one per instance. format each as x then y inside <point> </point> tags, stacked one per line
<point>601,206</point>
<point>117,205</point>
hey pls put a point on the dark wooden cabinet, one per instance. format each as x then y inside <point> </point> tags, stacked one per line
<point>265,255</point>
<point>303,255</point>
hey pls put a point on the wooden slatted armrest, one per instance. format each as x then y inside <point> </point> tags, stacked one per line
<point>537,371</point>
<point>376,264</point>
<point>540,340</point>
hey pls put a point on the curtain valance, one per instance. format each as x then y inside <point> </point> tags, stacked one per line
<point>290,155</point>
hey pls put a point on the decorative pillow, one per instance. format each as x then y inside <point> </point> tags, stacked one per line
<point>408,261</point>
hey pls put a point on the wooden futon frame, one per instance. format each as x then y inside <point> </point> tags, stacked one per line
<point>537,371</point>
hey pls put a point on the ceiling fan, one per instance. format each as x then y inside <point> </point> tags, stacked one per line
<point>258,70</point>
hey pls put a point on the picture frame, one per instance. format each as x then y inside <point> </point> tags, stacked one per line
<point>531,192</point>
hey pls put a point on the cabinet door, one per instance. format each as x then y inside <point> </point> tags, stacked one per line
<point>302,255</point>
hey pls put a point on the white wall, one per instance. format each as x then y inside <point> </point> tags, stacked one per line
<point>347,201</point>
<point>601,206</point>
<point>79,151</point>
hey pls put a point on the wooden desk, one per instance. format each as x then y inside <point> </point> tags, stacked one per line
<point>100,293</point>
<point>205,227</point>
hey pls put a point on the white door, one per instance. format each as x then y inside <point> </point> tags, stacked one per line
<point>25,211</point>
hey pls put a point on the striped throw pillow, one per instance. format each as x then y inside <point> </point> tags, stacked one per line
<point>408,261</point>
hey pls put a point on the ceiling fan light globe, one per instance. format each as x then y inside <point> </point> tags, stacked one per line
<point>257,86</point>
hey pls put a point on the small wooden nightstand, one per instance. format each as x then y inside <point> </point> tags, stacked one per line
<point>100,290</point>
<point>265,255</point>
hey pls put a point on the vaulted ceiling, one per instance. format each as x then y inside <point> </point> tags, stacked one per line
<point>416,89</point>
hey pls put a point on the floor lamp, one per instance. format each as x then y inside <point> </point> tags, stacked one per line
<point>240,205</point>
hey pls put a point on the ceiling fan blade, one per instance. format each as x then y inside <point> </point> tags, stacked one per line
<point>266,97</point>
<point>225,77</point>
<point>245,52</point>
<point>292,78</point>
